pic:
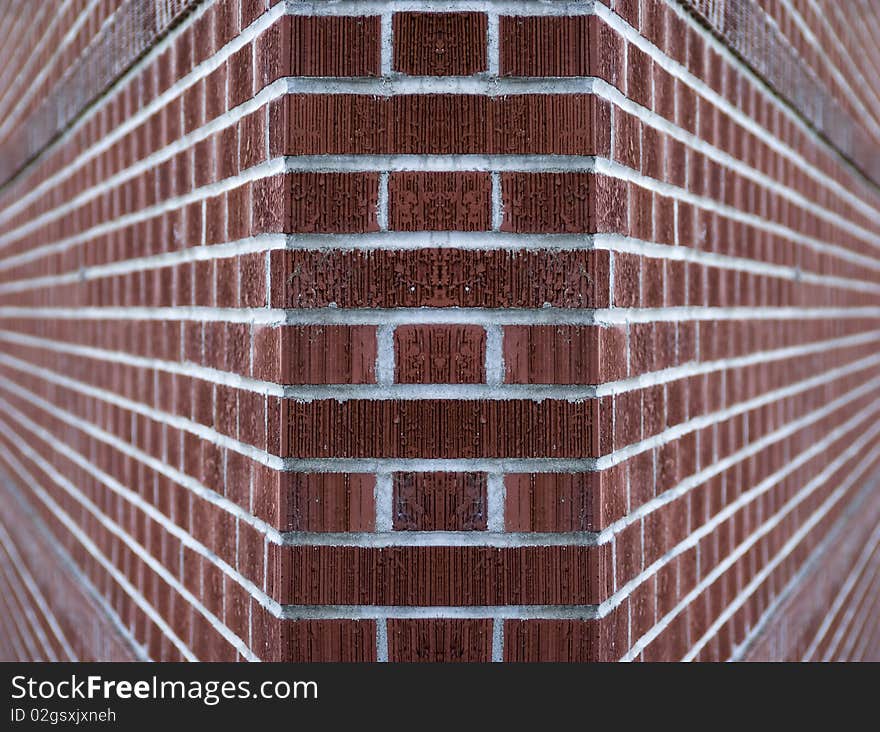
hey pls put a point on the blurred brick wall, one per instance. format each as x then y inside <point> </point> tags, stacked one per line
<point>477,330</point>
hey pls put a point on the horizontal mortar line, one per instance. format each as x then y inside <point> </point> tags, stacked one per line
<point>676,432</point>
<point>850,620</point>
<point>442,162</point>
<point>611,94</point>
<point>155,464</point>
<point>280,165</point>
<point>132,122</point>
<point>481,84</point>
<point>93,550</point>
<point>155,565</point>
<point>415,612</point>
<point>858,568</point>
<point>384,465</point>
<point>35,608</point>
<point>23,609</point>
<point>73,569</point>
<point>63,75</point>
<point>12,552</point>
<point>686,485</point>
<point>857,626</point>
<point>683,74</point>
<point>268,168</point>
<point>34,50</point>
<point>753,538</point>
<point>746,498</point>
<point>766,570</point>
<point>9,116</point>
<point>135,500</point>
<point>621,172</point>
<point>800,579</point>
<point>271,534</point>
<point>26,622</point>
<point>432,316</point>
<point>844,49</point>
<point>114,182</point>
<point>415,241</point>
<point>375,7</point>
<point>621,316</point>
<point>346,392</point>
<point>837,71</point>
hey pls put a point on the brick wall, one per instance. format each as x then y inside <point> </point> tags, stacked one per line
<point>417,330</point>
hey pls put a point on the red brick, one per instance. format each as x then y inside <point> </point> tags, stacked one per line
<point>439,641</point>
<point>438,201</point>
<point>444,354</point>
<point>439,502</point>
<point>439,44</point>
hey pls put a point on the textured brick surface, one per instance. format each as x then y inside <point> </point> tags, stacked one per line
<point>491,332</point>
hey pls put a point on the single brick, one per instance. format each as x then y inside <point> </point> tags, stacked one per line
<point>439,201</point>
<point>563,354</point>
<point>439,428</point>
<point>327,502</point>
<point>439,641</point>
<point>335,354</point>
<point>459,575</point>
<point>440,354</point>
<point>439,501</point>
<point>334,202</point>
<point>433,277</point>
<point>553,502</point>
<point>546,202</point>
<point>440,44</point>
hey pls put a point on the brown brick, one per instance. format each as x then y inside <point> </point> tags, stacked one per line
<point>553,502</point>
<point>547,354</point>
<point>438,201</point>
<point>327,502</point>
<point>439,44</point>
<point>439,501</point>
<point>334,202</point>
<point>439,428</point>
<point>433,277</point>
<point>439,641</point>
<point>445,354</point>
<point>458,575</point>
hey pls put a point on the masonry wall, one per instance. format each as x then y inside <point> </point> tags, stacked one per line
<point>439,331</point>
